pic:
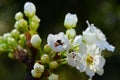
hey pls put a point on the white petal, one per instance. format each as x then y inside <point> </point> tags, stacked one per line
<point>77,40</point>
<point>89,37</point>
<point>99,61</point>
<point>90,72</point>
<point>100,72</point>
<point>105,44</point>
<point>81,66</point>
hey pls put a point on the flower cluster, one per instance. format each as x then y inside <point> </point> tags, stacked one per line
<point>84,52</point>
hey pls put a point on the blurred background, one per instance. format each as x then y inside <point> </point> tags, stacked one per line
<point>105,14</point>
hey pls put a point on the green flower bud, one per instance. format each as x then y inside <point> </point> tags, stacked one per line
<point>21,25</point>
<point>11,55</point>
<point>11,42</point>
<point>45,59</point>
<point>53,65</point>
<point>15,33</point>
<point>6,35</point>
<point>71,33</point>
<point>1,40</point>
<point>29,9</point>
<point>18,16</point>
<point>53,77</point>
<point>35,74</point>
<point>47,49</point>
<point>36,41</point>
<point>35,19</point>
<point>3,47</point>
<point>34,26</point>
<point>22,39</point>
<point>38,68</point>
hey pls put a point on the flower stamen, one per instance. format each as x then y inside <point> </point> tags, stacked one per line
<point>58,42</point>
<point>89,59</point>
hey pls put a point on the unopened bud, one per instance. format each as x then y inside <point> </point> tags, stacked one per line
<point>1,39</point>
<point>36,41</point>
<point>11,55</point>
<point>70,21</point>
<point>35,74</point>
<point>45,58</point>
<point>11,42</point>
<point>71,33</point>
<point>53,77</point>
<point>21,25</point>
<point>6,35</point>
<point>18,16</point>
<point>34,26</point>
<point>38,68</point>
<point>22,40</point>
<point>35,19</point>
<point>47,49</point>
<point>53,65</point>
<point>3,47</point>
<point>15,33</point>
<point>29,9</point>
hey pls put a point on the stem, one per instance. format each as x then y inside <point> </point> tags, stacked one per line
<point>40,50</point>
<point>31,58</point>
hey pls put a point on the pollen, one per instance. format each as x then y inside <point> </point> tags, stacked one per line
<point>89,59</point>
<point>58,42</point>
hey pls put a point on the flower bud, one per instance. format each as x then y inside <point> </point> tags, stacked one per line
<point>6,35</point>
<point>29,9</point>
<point>11,55</point>
<point>53,77</point>
<point>36,41</point>
<point>15,34</point>
<point>53,65</point>
<point>21,25</point>
<point>35,19</point>
<point>70,21</point>
<point>47,49</point>
<point>3,47</point>
<point>71,33</point>
<point>1,39</point>
<point>45,58</point>
<point>34,26</point>
<point>35,74</point>
<point>22,40</point>
<point>11,42</point>
<point>18,16</point>
<point>38,68</point>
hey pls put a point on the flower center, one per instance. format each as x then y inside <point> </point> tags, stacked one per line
<point>73,54</point>
<point>58,42</point>
<point>89,59</point>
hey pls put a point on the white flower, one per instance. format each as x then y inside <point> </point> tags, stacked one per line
<point>53,77</point>
<point>58,42</point>
<point>38,68</point>
<point>79,49</point>
<point>92,62</point>
<point>35,41</point>
<point>70,20</point>
<point>93,35</point>
<point>29,9</point>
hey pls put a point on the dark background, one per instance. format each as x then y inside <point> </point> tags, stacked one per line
<point>105,14</point>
